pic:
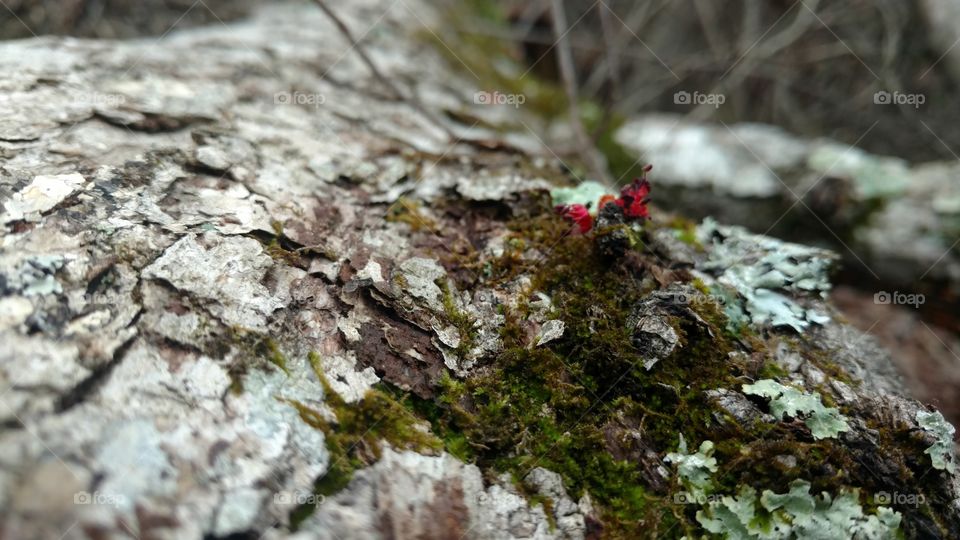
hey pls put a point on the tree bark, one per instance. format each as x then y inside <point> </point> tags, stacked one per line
<point>216,245</point>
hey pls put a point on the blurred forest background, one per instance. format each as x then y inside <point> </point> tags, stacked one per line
<point>812,68</point>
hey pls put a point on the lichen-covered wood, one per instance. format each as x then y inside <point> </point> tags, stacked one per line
<point>247,291</point>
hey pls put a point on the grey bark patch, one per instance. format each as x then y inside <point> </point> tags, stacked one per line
<point>42,195</point>
<point>625,441</point>
<point>653,319</point>
<point>550,331</point>
<point>654,338</point>
<point>415,282</point>
<point>227,272</point>
<point>408,495</point>
<point>741,409</point>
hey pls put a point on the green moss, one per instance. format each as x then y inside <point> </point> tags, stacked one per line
<point>905,446</point>
<point>377,417</point>
<point>549,406</point>
<point>252,351</point>
<point>274,355</point>
<point>559,406</point>
<point>765,463</point>
<point>700,286</point>
<point>354,439</point>
<point>771,370</point>
<point>409,211</point>
<point>685,230</point>
<point>279,247</point>
<point>547,505</point>
<point>455,442</point>
<point>276,251</point>
<point>461,320</point>
<point>563,406</point>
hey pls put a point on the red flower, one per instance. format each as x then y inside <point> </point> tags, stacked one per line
<point>633,197</point>
<point>578,214</point>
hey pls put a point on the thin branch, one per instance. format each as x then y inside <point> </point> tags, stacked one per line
<point>760,52</point>
<point>594,160</point>
<point>708,22</point>
<point>608,70</point>
<point>612,51</point>
<point>398,94</point>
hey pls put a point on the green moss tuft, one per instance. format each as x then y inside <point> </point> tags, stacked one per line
<point>409,211</point>
<point>461,320</point>
<point>355,437</point>
<point>556,406</point>
<point>253,351</point>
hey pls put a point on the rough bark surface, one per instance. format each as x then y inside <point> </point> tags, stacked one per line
<point>185,222</point>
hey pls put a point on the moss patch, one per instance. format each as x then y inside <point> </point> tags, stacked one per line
<point>409,211</point>
<point>571,405</point>
<point>461,320</point>
<point>553,406</point>
<point>583,405</point>
<point>253,351</point>
<point>354,439</point>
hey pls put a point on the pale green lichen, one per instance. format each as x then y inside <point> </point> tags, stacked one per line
<point>765,273</point>
<point>797,514</point>
<point>787,401</point>
<point>694,469</point>
<point>941,453</point>
<point>36,276</point>
<point>872,176</point>
<point>586,193</point>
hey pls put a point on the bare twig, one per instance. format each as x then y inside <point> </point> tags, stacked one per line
<point>640,14</point>
<point>398,94</point>
<point>607,70</point>
<point>528,17</point>
<point>594,160</point>
<point>609,29</point>
<point>706,13</point>
<point>761,52</point>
